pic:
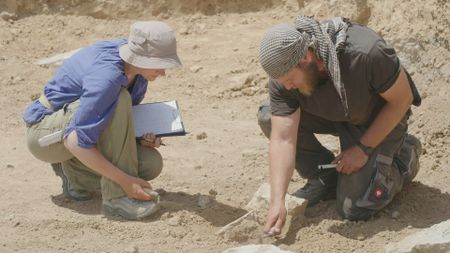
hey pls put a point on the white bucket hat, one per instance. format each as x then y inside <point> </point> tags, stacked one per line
<point>151,45</point>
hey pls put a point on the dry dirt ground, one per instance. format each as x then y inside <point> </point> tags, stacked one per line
<point>219,90</point>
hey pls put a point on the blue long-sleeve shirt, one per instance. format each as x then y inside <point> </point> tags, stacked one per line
<point>94,75</point>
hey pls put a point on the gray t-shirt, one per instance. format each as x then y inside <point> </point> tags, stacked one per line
<point>368,67</point>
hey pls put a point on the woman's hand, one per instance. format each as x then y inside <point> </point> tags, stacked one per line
<point>133,187</point>
<point>149,140</point>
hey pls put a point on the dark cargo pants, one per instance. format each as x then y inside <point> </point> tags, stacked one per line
<point>363,193</point>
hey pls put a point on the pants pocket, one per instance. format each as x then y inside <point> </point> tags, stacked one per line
<point>383,186</point>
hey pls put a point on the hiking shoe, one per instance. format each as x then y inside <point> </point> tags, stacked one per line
<point>315,190</point>
<point>67,189</point>
<point>408,158</point>
<point>130,209</point>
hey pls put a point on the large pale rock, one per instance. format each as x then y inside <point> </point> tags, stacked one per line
<point>57,59</point>
<point>249,226</point>
<point>261,199</point>
<point>435,239</point>
<point>254,248</point>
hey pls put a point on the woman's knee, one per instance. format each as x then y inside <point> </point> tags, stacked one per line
<point>150,163</point>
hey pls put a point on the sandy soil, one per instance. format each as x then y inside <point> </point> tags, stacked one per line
<point>219,90</point>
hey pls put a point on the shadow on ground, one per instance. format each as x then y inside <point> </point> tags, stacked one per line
<point>417,206</point>
<point>218,214</point>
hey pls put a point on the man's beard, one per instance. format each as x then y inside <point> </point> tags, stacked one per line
<point>312,78</point>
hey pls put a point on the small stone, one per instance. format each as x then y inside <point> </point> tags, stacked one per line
<point>249,91</point>
<point>165,15</point>
<point>10,166</point>
<point>161,192</point>
<point>184,31</point>
<point>131,249</point>
<point>203,201</point>
<point>195,69</point>
<point>166,216</point>
<point>360,238</point>
<point>395,214</point>
<point>244,21</point>
<point>174,221</point>
<point>213,192</point>
<point>35,96</point>
<point>202,136</point>
<point>7,16</point>
<point>154,195</point>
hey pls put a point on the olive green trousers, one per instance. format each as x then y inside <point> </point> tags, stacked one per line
<point>117,143</point>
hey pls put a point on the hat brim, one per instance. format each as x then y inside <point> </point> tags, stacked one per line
<point>172,61</point>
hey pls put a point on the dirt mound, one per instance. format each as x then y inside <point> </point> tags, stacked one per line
<point>114,9</point>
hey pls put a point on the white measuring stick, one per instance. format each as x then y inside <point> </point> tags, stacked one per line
<point>327,166</point>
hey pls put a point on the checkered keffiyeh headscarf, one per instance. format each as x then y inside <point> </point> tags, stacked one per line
<point>284,45</point>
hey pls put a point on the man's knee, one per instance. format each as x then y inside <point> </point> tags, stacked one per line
<point>347,209</point>
<point>356,201</point>
<point>150,163</point>
<point>264,118</point>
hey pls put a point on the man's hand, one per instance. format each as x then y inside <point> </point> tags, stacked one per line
<point>149,140</point>
<point>133,187</point>
<point>276,217</point>
<point>350,160</point>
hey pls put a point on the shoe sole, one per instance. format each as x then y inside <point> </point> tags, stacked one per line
<point>59,172</point>
<point>416,147</point>
<point>110,211</point>
<point>329,195</point>
<point>414,141</point>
